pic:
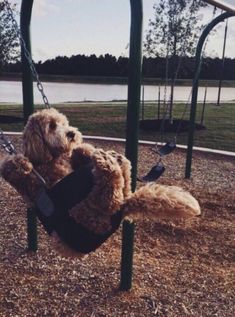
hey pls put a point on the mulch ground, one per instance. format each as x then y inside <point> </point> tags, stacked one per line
<point>183,268</point>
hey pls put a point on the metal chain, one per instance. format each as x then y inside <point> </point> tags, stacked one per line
<point>27,54</point>
<point>6,144</point>
<point>9,148</point>
<point>176,76</point>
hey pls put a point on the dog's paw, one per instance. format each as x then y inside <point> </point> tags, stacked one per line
<point>17,165</point>
<point>104,161</point>
<point>121,159</point>
<point>82,155</point>
<point>22,164</point>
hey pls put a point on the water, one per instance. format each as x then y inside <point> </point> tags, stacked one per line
<point>11,92</point>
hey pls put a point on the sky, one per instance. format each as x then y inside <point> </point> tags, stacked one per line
<point>71,27</point>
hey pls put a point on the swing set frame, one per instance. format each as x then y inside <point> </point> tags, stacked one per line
<point>230,12</point>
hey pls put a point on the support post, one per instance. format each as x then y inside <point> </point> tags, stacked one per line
<point>142,103</point>
<point>27,77</point>
<point>159,102</point>
<point>223,62</point>
<point>32,230</point>
<point>201,42</point>
<point>132,129</point>
<point>203,107</point>
<point>28,103</point>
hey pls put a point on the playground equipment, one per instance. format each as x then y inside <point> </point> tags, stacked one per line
<point>166,123</point>
<point>222,5</point>
<point>230,11</point>
<point>223,62</point>
<point>134,82</point>
<point>131,152</point>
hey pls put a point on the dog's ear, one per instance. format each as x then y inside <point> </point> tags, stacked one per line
<point>34,145</point>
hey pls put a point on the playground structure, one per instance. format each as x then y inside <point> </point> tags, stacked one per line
<point>132,112</point>
<point>29,73</point>
<point>230,11</point>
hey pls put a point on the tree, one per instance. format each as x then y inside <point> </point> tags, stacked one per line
<point>173,33</point>
<point>9,43</point>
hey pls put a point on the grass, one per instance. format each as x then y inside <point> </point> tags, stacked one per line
<point>109,119</point>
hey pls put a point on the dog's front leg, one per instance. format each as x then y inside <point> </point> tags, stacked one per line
<point>82,155</point>
<point>17,170</point>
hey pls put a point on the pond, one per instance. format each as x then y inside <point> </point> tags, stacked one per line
<point>11,92</point>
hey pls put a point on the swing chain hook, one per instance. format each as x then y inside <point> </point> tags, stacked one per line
<point>27,53</point>
<point>6,144</point>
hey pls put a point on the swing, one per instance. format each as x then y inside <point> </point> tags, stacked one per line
<point>53,204</point>
<point>167,148</point>
<point>157,170</point>
<point>52,210</point>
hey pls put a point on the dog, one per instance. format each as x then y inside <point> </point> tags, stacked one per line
<point>55,149</point>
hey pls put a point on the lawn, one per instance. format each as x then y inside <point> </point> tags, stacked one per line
<point>109,119</point>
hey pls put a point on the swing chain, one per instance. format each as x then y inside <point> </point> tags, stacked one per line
<point>27,53</point>
<point>6,144</point>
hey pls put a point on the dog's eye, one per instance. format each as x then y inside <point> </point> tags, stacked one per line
<point>52,125</point>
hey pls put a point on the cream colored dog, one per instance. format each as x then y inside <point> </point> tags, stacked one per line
<point>55,149</point>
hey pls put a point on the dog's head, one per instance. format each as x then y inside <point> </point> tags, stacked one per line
<point>47,134</point>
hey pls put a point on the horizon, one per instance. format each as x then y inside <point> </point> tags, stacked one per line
<point>67,28</point>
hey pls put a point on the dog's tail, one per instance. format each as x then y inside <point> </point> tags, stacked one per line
<point>154,201</point>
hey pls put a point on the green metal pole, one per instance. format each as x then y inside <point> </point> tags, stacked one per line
<point>32,235</point>
<point>28,104</point>
<point>142,103</point>
<point>201,41</point>
<point>132,129</point>
<point>27,77</point>
<point>223,62</point>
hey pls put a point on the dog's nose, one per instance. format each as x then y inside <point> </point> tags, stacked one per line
<point>70,134</point>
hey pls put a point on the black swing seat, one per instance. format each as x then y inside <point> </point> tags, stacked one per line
<point>155,172</point>
<point>167,148</point>
<point>52,208</point>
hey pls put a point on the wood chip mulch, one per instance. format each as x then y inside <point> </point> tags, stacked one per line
<point>183,268</point>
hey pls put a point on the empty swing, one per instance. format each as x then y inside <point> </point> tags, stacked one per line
<point>167,148</point>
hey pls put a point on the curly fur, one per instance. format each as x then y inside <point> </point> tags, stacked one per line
<point>55,149</point>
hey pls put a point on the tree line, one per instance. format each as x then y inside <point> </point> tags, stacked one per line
<point>172,32</point>
<point>110,66</point>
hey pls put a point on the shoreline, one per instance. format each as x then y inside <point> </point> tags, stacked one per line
<point>114,80</point>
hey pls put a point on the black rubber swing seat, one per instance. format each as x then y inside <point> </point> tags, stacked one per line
<point>52,208</point>
<point>167,148</point>
<point>155,172</point>
<point>158,169</point>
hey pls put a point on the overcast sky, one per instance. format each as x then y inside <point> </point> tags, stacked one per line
<point>71,27</point>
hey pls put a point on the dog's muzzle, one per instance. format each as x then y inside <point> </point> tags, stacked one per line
<point>70,135</point>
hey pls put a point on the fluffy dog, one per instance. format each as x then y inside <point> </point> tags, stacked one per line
<point>54,149</point>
